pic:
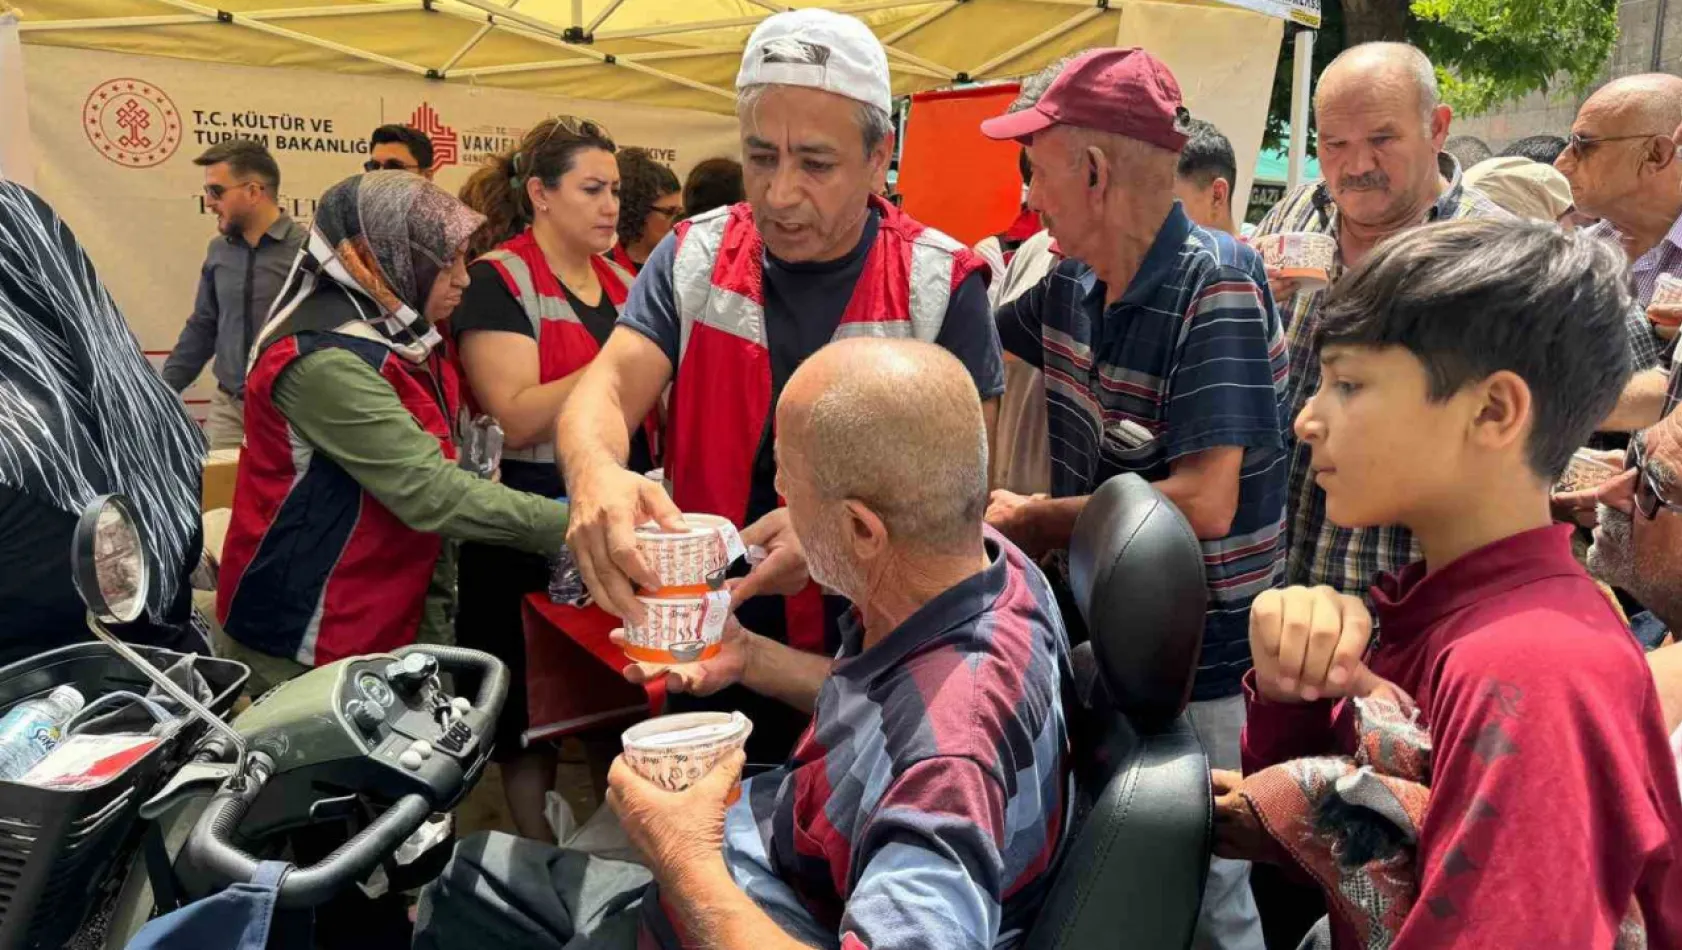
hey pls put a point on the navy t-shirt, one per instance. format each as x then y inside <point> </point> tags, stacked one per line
<point>803,307</point>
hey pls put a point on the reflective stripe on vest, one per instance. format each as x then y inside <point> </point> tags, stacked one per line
<point>541,308</point>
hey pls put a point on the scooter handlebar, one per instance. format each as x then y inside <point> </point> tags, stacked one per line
<point>212,844</point>
<point>492,673</point>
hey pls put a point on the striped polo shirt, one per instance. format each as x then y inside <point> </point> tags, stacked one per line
<point>1191,358</point>
<point>924,806</point>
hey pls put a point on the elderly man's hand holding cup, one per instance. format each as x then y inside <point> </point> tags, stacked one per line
<point>1664,312</point>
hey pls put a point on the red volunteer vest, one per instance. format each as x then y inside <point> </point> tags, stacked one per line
<point>721,398</point>
<point>564,344</point>
<point>314,568</point>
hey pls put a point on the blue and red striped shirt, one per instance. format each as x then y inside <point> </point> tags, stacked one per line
<point>924,806</point>
<point>1191,358</point>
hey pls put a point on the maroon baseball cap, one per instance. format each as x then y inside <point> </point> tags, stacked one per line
<point>1125,91</point>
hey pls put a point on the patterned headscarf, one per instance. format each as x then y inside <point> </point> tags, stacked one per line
<point>81,411</point>
<point>383,237</point>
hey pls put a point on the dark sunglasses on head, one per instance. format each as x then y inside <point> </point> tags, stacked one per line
<point>389,165</point>
<point>1648,499</point>
<point>1582,145</point>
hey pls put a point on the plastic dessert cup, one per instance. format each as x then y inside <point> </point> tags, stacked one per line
<point>674,752</point>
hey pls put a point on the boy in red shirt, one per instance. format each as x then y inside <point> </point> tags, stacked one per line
<point>1463,363</point>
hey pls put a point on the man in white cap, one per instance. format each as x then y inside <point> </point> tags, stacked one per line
<point>734,300</point>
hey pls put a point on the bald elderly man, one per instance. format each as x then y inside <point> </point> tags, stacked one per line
<point>1381,133</point>
<point>923,807</point>
<point>1623,164</point>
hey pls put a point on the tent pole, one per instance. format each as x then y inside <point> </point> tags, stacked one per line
<point>917,64</point>
<point>1304,71</point>
<point>472,41</point>
<point>240,19</point>
<point>1078,19</point>
<point>306,13</point>
<point>669,29</point>
<point>578,13</point>
<point>112,23</point>
<point>919,23</point>
<point>577,62</point>
<point>601,17</point>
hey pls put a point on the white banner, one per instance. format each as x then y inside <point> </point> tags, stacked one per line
<point>17,149</point>
<point>119,134</point>
<point>1301,12</point>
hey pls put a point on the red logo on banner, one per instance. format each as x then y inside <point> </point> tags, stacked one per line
<point>132,123</point>
<point>446,145</point>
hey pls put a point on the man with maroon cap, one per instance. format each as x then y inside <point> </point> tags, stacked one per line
<point>1163,356</point>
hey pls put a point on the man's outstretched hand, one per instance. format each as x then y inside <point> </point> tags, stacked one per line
<point>606,507</point>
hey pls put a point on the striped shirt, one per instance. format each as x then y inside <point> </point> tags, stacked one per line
<point>1191,358</point>
<point>923,808</point>
<point>1321,552</point>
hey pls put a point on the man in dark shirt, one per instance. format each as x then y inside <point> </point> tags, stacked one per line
<point>730,304</point>
<point>924,808</point>
<point>243,272</point>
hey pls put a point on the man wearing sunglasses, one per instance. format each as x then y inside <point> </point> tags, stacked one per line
<point>1640,523</point>
<point>1621,159</point>
<point>243,271</point>
<point>400,148</point>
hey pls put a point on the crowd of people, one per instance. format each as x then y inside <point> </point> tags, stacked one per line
<point>909,430</point>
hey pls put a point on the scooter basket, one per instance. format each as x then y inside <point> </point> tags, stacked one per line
<point>59,846</point>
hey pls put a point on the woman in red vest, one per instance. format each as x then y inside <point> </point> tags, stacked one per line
<point>538,307</point>
<point>650,202</point>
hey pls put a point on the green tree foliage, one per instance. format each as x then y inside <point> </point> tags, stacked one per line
<point>1487,52</point>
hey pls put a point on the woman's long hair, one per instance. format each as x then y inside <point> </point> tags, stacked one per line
<point>498,189</point>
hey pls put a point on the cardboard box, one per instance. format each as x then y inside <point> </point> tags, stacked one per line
<point>219,471</point>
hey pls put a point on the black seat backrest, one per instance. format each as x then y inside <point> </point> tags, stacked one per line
<point>1132,872</point>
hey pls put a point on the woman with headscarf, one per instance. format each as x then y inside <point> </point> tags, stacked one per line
<point>82,414</point>
<point>348,486</point>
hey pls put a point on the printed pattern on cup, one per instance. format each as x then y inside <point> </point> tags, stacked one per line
<point>691,561</point>
<point>685,628</point>
<point>1298,254</point>
<point>675,767</point>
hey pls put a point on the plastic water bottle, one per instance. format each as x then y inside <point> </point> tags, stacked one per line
<point>32,729</point>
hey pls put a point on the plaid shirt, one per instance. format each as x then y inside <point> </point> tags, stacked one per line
<point>1321,552</point>
<point>1645,344</point>
<point>923,807</point>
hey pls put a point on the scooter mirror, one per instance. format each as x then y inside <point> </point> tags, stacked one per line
<point>108,560</point>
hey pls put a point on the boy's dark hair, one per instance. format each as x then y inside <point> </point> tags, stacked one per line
<point>246,159</point>
<point>642,182</point>
<point>1472,297</point>
<point>1537,148</point>
<point>1207,156</point>
<point>712,184</point>
<point>416,141</point>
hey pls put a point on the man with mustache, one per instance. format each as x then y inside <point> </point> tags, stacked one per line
<point>729,304</point>
<point>1381,134</point>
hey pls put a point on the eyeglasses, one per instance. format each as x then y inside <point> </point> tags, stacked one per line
<point>389,165</point>
<point>1582,145</point>
<point>671,214</point>
<point>215,192</point>
<point>1648,499</point>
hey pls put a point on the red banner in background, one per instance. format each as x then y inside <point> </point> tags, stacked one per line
<point>953,177</point>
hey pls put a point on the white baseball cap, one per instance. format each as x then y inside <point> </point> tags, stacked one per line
<point>819,49</point>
